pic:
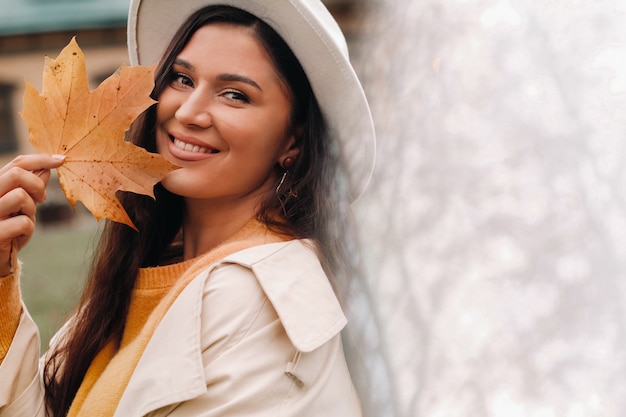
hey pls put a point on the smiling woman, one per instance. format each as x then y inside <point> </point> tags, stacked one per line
<point>224,302</point>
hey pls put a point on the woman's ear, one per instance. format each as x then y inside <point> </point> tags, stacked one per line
<point>290,151</point>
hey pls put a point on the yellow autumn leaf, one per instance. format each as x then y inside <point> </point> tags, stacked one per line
<point>88,127</point>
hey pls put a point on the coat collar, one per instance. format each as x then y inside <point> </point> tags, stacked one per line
<point>171,369</point>
<point>299,291</point>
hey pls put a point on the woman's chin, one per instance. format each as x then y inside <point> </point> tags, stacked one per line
<point>175,184</point>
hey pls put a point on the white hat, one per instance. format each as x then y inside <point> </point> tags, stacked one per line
<point>314,37</point>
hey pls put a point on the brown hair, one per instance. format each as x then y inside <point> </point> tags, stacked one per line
<point>310,205</point>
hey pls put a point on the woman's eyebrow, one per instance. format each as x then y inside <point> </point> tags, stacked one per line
<point>239,78</point>
<point>183,63</point>
<point>223,77</point>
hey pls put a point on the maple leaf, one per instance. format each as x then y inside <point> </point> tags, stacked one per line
<point>88,127</point>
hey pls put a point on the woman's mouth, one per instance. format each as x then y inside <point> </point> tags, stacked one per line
<point>188,147</point>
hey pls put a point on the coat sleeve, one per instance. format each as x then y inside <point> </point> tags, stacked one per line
<point>21,388</point>
<point>252,368</point>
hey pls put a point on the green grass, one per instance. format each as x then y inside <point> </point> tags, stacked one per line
<point>55,264</point>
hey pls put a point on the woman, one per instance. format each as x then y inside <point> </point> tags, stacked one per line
<point>222,304</point>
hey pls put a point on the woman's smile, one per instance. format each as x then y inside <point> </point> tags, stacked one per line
<point>189,149</point>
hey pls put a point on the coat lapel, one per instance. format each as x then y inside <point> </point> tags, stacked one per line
<point>170,369</point>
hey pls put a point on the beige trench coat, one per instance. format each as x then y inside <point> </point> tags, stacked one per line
<point>257,334</point>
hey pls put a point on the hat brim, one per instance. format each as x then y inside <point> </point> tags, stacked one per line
<point>315,39</point>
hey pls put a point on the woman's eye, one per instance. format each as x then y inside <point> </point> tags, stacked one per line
<point>181,80</point>
<point>237,96</point>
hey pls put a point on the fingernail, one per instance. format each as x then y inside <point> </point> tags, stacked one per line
<point>59,157</point>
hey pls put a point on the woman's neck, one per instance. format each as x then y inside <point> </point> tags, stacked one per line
<point>206,225</point>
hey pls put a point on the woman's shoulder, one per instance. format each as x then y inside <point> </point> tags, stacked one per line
<point>290,276</point>
<point>291,251</point>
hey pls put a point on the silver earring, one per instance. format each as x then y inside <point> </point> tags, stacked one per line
<point>280,183</point>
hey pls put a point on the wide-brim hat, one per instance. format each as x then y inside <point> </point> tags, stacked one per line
<point>314,37</point>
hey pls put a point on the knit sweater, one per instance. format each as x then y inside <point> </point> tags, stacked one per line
<point>155,290</point>
<point>10,311</point>
<point>151,287</point>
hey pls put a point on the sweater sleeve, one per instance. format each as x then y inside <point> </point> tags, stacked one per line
<point>10,311</point>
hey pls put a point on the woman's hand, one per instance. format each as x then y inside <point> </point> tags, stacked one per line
<point>22,186</point>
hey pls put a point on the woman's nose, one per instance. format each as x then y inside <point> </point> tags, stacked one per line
<point>195,110</point>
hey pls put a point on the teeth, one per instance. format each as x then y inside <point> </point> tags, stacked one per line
<point>189,147</point>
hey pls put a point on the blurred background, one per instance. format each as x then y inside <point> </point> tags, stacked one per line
<point>494,229</point>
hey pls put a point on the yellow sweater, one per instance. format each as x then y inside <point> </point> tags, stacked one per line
<point>10,311</point>
<point>155,291</point>
<point>151,287</point>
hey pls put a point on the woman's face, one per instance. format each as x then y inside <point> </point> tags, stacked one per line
<point>224,117</point>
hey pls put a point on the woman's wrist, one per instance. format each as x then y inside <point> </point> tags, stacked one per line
<point>6,269</point>
<point>8,265</point>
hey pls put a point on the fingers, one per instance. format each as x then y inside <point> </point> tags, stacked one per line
<point>20,227</point>
<point>14,234</point>
<point>30,172</point>
<point>22,185</point>
<point>16,202</point>
<point>19,179</point>
<point>34,162</point>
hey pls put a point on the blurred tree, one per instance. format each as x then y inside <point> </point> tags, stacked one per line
<point>495,225</point>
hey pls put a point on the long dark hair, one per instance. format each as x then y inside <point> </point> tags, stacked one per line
<point>305,206</point>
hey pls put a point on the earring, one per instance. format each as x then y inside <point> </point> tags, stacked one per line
<point>288,163</point>
<point>280,183</point>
